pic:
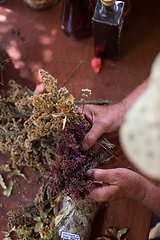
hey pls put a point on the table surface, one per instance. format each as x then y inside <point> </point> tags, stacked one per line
<point>34,40</point>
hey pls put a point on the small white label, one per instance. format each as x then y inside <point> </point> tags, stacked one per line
<point>69,236</point>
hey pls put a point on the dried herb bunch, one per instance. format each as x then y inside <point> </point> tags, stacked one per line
<point>36,220</point>
<point>15,110</point>
<point>68,172</point>
<point>45,132</point>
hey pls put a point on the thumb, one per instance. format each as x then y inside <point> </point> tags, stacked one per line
<point>92,136</point>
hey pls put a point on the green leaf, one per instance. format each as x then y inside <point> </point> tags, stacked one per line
<point>28,215</point>
<point>20,231</point>
<point>8,190</point>
<point>70,98</point>
<point>121,232</point>
<point>52,233</point>
<point>17,173</point>
<point>6,168</point>
<point>52,224</point>
<point>6,234</point>
<point>36,219</point>
<point>46,213</point>
<point>29,238</point>
<point>38,226</point>
<point>59,218</point>
<point>2,183</point>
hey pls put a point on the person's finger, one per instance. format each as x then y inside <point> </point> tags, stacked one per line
<point>92,136</point>
<point>103,192</point>
<point>99,192</point>
<point>101,175</point>
<point>110,135</point>
<point>89,112</point>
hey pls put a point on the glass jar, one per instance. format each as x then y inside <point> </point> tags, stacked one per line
<point>127,11</point>
<point>40,4</point>
<point>77,18</point>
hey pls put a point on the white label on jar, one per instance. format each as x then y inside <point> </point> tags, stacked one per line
<point>69,236</point>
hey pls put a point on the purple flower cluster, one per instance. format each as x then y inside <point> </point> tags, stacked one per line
<point>68,173</point>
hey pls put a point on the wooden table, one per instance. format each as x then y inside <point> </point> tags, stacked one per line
<point>34,40</point>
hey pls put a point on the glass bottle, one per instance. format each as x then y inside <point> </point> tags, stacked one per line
<point>107,26</point>
<point>40,4</point>
<point>127,11</point>
<point>76,19</point>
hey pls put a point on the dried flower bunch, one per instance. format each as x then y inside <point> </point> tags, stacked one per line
<point>68,172</point>
<point>45,132</point>
<point>37,219</point>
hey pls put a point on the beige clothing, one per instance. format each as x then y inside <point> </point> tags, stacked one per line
<point>140,131</point>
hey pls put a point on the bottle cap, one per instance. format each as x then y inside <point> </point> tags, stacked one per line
<point>108,2</point>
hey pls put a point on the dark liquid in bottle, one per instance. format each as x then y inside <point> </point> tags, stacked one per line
<point>77,18</point>
<point>107,28</point>
<point>39,4</point>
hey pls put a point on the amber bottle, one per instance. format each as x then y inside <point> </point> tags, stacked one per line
<point>76,19</point>
<point>39,4</point>
<point>107,26</point>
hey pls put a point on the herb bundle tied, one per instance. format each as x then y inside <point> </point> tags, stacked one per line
<point>45,132</point>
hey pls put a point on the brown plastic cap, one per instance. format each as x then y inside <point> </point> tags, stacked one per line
<point>108,2</point>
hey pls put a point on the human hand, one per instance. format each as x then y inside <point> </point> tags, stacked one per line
<point>104,119</point>
<point>118,183</point>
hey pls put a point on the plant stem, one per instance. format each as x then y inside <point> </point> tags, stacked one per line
<point>64,60</point>
<point>127,71</point>
<point>70,75</point>
<point>12,133</point>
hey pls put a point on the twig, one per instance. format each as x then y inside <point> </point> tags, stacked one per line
<point>12,133</point>
<point>53,197</point>
<point>16,115</point>
<point>2,79</point>
<point>95,102</point>
<point>103,142</point>
<point>64,60</point>
<point>3,128</point>
<point>127,71</point>
<point>116,157</point>
<point>70,75</point>
<point>31,209</point>
<point>107,160</point>
<point>2,67</point>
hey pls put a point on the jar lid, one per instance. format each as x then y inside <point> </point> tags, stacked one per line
<point>108,2</point>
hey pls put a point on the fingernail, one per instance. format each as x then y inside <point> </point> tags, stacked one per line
<point>89,173</point>
<point>85,146</point>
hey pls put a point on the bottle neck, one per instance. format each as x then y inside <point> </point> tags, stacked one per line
<point>104,10</point>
